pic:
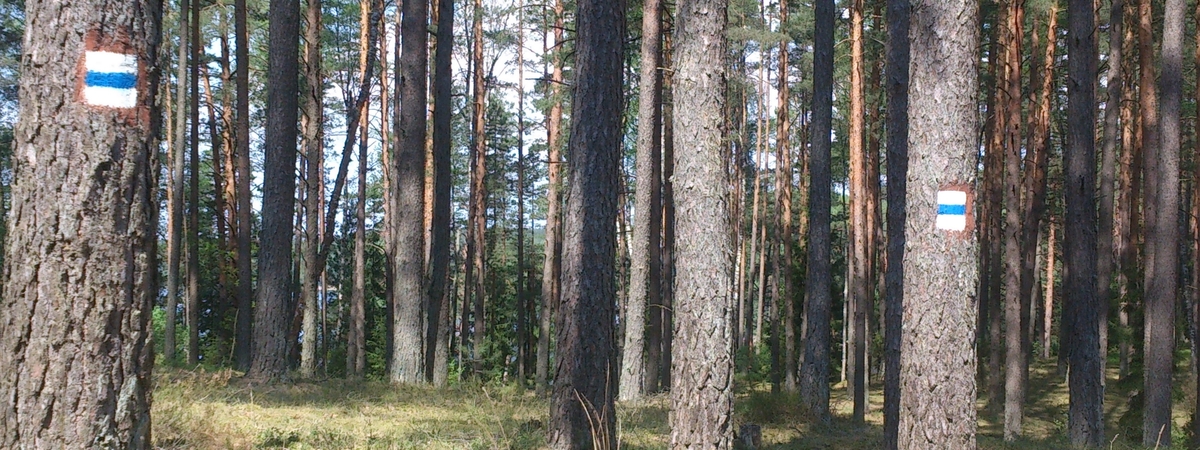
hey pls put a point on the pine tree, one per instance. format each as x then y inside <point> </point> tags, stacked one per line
<point>937,372</point>
<point>81,236</point>
<point>582,412</point>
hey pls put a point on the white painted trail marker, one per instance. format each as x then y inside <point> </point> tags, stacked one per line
<point>952,210</point>
<point>111,79</point>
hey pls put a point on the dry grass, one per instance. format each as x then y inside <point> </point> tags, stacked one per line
<point>218,410</point>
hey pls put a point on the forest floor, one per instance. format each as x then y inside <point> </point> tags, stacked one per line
<point>218,410</point>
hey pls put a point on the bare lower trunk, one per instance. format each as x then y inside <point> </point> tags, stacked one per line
<point>937,376</point>
<point>644,273</point>
<point>314,149</point>
<point>702,396</point>
<point>552,249</point>
<point>409,191</point>
<point>582,408</point>
<point>76,304</point>
<point>814,375</point>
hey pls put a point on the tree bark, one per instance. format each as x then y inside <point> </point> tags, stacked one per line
<point>702,397</point>
<point>1162,227</point>
<point>175,190</point>
<point>552,263</point>
<point>582,409</point>
<point>439,287</point>
<point>1085,419</point>
<point>80,265</point>
<point>644,273</point>
<point>274,296</point>
<point>409,191</point>
<point>312,121</point>
<point>992,239</point>
<point>1108,174</point>
<point>860,281</point>
<point>897,173</point>
<point>245,289</point>
<point>814,376</point>
<point>193,224</point>
<point>478,201</point>
<point>356,333</point>
<point>937,378</point>
<point>668,193</point>
<point>786,300</point>
<point>1048,297</point>
<point>1010,105</point>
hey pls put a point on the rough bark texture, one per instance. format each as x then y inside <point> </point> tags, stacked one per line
<point>409,191</point>
<point>274,296</point>
<point>80,265</point>
<point>582,410</point>
<point>897,173</point>
<point>552,262</point>
<point>702,394</point>
<point>1033,186</point>
<point>1108,173</point>
<point>356,332</point>
<point>937,367</point>
<point>175,191</point>
<point>439,260</point>
<point>245,289</point>
<point>314,168</point>
<point>193,221</point>
<point>991,317</point>
<point>861,286</point>
<point>1162,233</point>
<point>477,204</point>
<point>1085,420</point>
<point>1010,105</point>
<point>668,193</point>
<point>786,298</point>
<point>1195,425</point>
<point>814,374</point>
<point>644,273</point>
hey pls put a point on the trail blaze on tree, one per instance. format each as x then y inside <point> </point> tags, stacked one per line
<point>937,369</point>
<point>79,280</point>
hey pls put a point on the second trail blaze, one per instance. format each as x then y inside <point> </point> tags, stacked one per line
<point>111,79</point>
<point>952,210</point>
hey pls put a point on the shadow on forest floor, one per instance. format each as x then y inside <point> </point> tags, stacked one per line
<point>217,410</point>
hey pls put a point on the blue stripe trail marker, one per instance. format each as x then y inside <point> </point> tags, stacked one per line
<point>952,210</point>
<point>111,79</point>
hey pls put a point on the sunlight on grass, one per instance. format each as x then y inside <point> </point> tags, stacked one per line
<point>219,410</point>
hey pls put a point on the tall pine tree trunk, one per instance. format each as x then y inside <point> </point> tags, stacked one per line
<point>1108,174</point>
<point>582,408</point>
<point>274,295</point>
<point>897,172</point>
<point>786,300</point>
<point>245,289</point>
<point>1009,104</point>
<point>478,201</point>
<point>937,374</point>
<point>86,167</point>
<point>1085,421</point>
<point>1162,228</point>
<point>193,220</point>
<point>552,262</point>
<point>860,282</point>
<point>409,191</point>
<point>702,396</point>
<point>314,149</point>
<point>814,375</point>
<point>175,190</point>
<point>644,273</point>
<point>439,288</point>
